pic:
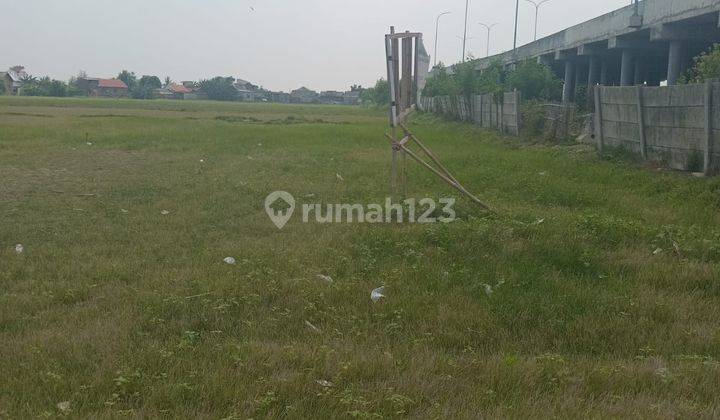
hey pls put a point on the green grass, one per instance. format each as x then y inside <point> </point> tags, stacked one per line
<point>610,307</point>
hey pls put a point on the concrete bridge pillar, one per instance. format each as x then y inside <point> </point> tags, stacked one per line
<point>627,71</point>
<point>594,72</point>
<point>569,88</point>
<point>581,74</point>
<point>675,62</point>
<point>604,72</point>
<point>639,71</point>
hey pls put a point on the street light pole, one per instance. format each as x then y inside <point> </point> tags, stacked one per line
<point>537,5</point>
<point>437,26</point>
<point>489,28</point>
<point>464,39</point>
<point>467,6</point>
<point>517,15</point>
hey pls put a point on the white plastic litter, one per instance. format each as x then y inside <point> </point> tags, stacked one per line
<point>164,212</point>
<point>490,289</point>
<point>312,327</point>
<point>124,211</point>
<point>230,261</point>
<point>324,383</point>
<point>339,177</point>
<point>63,406</point>
<point>658,251</point>
<point>326,279</point>
<point>19,248</point>
<point>89,143</point>
<point>377,294</point>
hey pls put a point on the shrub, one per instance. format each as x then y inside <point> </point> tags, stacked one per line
<point>706,67</point>
<point>377,95</point>
<point>535,81</point>
<point>441,83</point>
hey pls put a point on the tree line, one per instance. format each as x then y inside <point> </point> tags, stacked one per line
<point>535,81</point>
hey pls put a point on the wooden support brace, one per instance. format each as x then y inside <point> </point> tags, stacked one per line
<point>448,179</point>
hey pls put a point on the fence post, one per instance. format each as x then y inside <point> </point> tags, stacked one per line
<point>707,166</point>
<point>480,109</point>
<point>500,109</point>
<point>518,99</point>
<point>599,118</point>
<point>641,122</point>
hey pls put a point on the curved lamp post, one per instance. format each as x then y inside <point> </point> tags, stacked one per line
<point>437,27</point>
<point>537,5</point>
<point>489,28</point>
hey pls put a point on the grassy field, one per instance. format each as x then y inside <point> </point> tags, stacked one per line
<point>605,276</point>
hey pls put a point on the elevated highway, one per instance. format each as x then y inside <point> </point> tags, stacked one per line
<point>652,45</point>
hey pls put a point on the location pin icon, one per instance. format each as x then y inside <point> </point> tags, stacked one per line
<point>285,203</point>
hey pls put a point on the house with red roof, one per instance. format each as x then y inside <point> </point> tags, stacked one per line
<point>176,91</point>
<point>103,88</point>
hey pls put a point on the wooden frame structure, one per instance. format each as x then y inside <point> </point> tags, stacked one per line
<point>407,69</point>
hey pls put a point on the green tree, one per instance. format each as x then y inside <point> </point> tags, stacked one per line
<point>72,87</point>
<point>493,79</point>
<point>535,81</point>
<point>467,78</point>
<point>378,94</point>
<point>706,67</point>
<point>43,87</point>
<point>219,88</point>
<point>145,87</point>
<point>440,83</point>
<point>128,78</point>
<point>167,82</point>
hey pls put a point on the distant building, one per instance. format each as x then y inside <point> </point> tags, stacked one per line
<point>352,97</point>
<point>175,91</point>
<point>103,88</point>
<point>331,97</point>
<point>247,92</point>
<point>304,96</point>
<point>13,80</point>
<point>279,97</point>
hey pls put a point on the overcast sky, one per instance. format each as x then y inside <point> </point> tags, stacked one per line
<point>281,44</point>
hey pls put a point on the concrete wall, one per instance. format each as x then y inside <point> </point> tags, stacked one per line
<point>482,110</point>
<point>674,125</point>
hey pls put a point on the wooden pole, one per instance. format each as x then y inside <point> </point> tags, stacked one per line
<point>428,152</point>
<point>442,176</point>
<point>391,61</point>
